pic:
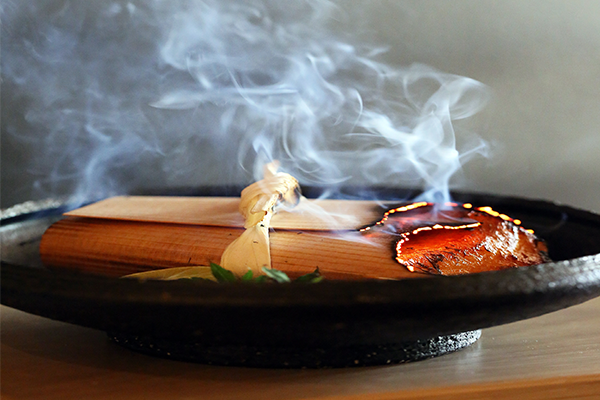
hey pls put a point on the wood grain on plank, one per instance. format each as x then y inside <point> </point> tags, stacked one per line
<point>116,248</point>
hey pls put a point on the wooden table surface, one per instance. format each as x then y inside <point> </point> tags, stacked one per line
<point>555,356</point>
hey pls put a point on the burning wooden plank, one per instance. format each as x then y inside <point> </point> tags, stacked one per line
<point>126,235</point>
<point>133,234</point>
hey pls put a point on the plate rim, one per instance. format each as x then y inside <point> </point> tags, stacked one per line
<point>554,285</point>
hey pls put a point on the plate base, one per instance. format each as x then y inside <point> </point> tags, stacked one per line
<point>293,357</point>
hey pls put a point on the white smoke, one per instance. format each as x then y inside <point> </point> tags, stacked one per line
<point>119,95</point>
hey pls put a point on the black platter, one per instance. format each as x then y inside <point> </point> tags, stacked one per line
<point>329,324</point>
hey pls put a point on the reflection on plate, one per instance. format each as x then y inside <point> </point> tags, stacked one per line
<point>326,324</point>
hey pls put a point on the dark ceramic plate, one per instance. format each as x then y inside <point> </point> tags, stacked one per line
<point>325,324</point>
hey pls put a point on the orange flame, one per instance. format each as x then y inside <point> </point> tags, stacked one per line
<point>397,210</point>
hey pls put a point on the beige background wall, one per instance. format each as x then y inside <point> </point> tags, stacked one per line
<point>542,61</point>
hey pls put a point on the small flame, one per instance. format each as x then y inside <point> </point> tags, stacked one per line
<point>397,210</point>
<point>438,226</point>
<point>490,211</point>
<point>486,209</point>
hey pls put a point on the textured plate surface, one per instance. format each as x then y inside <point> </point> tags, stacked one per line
<point>325,315</point>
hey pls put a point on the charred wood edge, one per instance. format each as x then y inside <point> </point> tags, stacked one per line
<point>434,259</point>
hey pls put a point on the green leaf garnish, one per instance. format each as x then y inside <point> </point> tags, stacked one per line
<point>276,275</point>
<point>260,279</point>
<point>222,274</point>
<point>270,275</point>
<point>196,279</point>
<point>313,277</point>
<point>247,276</point>
<point>216,273</point>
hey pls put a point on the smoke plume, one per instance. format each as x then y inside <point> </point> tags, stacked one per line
<point>109,97</point>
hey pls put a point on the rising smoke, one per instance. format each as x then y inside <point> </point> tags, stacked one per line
<point>110,97</point>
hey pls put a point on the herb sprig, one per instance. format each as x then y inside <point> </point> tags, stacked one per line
<point>271,275</point>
